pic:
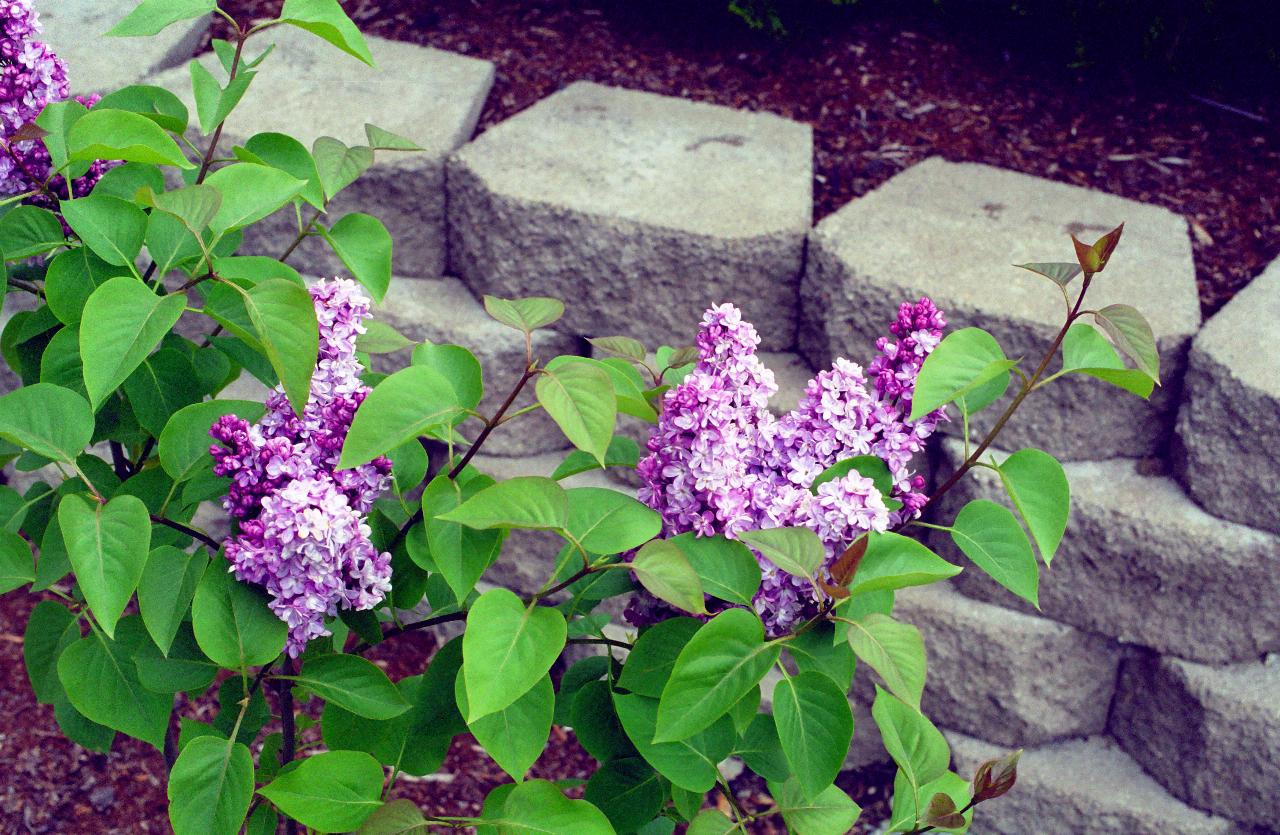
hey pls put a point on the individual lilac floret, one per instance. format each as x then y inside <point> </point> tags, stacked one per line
<point>895,369</point>
<point>839,511</point>
<point>283,446</point>
<point>720,463</point>
<point>32,76</point>
<point>835,419</point>
<point>302,530</point>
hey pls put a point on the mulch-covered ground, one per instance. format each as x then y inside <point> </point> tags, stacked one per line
<point>884,88</point>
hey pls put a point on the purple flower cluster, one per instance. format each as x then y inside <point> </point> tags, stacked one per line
<point>303,534</point>
<point>721,463</point>
<point>31,76</point>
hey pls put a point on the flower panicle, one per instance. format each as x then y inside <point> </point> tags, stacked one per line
<point>719,462</point>
<point>303,534</point>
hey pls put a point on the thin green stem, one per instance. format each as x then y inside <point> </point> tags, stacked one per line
<point>227,17</point>
<point>212,150</point>
<point>262,27</point>
<point>929,525</point>
<point>740,814</point>
<point>94,490</point>
<point>532,407</point>
<point>1026,389</point>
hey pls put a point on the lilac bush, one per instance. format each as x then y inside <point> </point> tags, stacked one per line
<point>358,511</point>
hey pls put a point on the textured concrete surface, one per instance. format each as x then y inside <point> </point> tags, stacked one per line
<point>1229,425</point>
<point>1081,787</point>
<point>1210,735</point>
<point>308,89</point>
<point>75,29</point>
<point>951,231</point>
<point>638,210</point>
<point>1141,563</point>
<point>1006,677</point>
<point>443,311</point>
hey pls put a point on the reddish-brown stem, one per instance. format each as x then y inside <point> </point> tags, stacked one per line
<point>302,236</point>
<point>493,422</point>
<point>456,616</point>
<point>413,627</point>
<point>119,462</point>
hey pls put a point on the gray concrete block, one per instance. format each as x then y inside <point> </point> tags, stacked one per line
<point>307,89</point>
<point>1006,677</point>
<point>950,231</point>
<point>444,311</point>
<point>1229,425</point>
<point>1080,787</point>
<point>638,210</point>
<point>75,30</point>
<point>1210,735</point>
<point>1141,563</point>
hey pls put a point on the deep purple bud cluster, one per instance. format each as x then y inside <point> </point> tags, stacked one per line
<point>303,534</point>
<point>720,463</point>
<point>32,76</point>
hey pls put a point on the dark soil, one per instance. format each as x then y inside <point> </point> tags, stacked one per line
<point>884,87</point>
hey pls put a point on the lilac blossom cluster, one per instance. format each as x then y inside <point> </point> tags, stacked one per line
<point>31,76</point>
<point>302,530</point>
<point>721,463</point>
